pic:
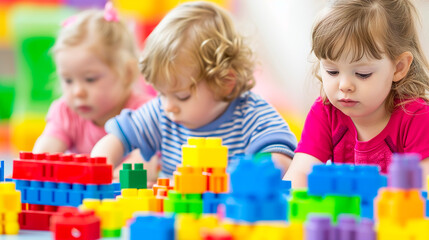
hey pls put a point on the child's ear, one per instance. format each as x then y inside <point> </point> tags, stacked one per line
<point>230,83</point>
<point>402,65</point>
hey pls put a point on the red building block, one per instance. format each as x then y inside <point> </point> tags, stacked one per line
<point>34,220</point>
<point>162,183</point>
<point>69,223</point>
<point>217,180</point>
<point>66,168</point>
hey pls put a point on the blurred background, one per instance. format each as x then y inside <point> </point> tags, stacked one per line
<point>279,32</point>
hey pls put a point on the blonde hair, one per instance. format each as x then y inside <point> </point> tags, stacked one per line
<point>373,28</point>
<point>205,35</point>
<point>111,41</point>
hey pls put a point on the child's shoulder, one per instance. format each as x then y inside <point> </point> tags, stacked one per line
<point>59,108</point>
<point>413,106</point>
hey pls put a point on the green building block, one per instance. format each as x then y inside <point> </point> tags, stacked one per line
<point>110,233</point>
<point>7,95</point>
<point>183,203</point>
<point>130,178</point>
<point>301,204</point>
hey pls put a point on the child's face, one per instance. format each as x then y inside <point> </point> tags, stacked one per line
<point>192,108</point>
<point>90,87</point>
<point>359,89</point>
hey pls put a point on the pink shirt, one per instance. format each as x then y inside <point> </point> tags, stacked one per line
<point>330,134</point>
<point>79,134</point>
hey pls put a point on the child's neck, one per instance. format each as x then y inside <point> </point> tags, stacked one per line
<point>367,129</point>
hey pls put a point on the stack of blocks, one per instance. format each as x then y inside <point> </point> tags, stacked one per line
<point>400,208</point>
<point>58,180</point>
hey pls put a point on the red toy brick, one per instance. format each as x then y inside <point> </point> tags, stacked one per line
<point>66,168</point>
<point>69,223</point>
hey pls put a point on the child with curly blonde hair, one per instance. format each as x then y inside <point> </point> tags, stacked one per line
<point>203,71</point>
<point>375,82</point>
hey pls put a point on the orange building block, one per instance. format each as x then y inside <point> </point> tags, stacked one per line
<point>217,180</point>
<point>399,206</point>
<point>189,179</point>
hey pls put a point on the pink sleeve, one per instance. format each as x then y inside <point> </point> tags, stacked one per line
<point>316,138</point>
<point>58,122</point>
<point>416,137</point>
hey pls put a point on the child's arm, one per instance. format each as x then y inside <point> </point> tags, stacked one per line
<point>110,147</point>
<point>424,164</point>
<point>49,144</point>
<point>282,161</point>
<point>300,168</point>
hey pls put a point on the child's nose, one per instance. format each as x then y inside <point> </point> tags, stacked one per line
<point>346,84</point>
<point>170,106</point>
<point>79,90</point>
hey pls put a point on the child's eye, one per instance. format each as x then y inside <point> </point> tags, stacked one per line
<point>332,73</point>
<point>364,75</point>
<point>67,80</point>
<point>184,98</point>
<point>90,79</point>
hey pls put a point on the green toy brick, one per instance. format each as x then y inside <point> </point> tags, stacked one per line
<point>183,203</point>
<point>130,178</point>
<point>301,204</point>
<point>108,233</point>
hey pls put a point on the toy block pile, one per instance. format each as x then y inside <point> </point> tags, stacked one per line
<point>47,181</point>
<point>400,207</point>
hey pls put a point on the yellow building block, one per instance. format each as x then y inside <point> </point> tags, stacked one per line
<point>205,153</point>
<point>239,231</point>
<point>132,200</point>
<point>399,206</point>
<point>10,198</point>
<point>188,227</point>
<point>9,223</point>
<point>111,215</point>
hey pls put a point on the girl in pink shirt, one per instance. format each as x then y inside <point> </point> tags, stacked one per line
<point>97,62</point>
<point>374,79</point>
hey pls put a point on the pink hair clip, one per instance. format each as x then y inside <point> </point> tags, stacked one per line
<point>68,21</point>
<point>110,14</point>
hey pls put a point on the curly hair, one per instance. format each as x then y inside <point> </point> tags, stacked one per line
<point>373,28</point>
<point>111,41</point>
<point>204,35</point>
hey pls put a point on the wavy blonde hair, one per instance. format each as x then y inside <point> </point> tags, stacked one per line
<point>111,41</point>
<point>205,35</point>
<point>373,28</point>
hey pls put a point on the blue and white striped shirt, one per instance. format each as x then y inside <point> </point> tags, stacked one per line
<point>249,125</point>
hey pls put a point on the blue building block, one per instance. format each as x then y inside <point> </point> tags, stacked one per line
<point>116,189</point>
<point>2,171</point>
<point>61,194</point>
<point>152,227</point>
<point>211,201</point>
<point>255,177</point>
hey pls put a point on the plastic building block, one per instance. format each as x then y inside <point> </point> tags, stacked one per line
<point>346,179</point>
<point>10,206</point>
<point>205,153</point>
<point>399,206</point>
<point>211,201</point>
<point>161,183</point>
<point>69,223</point>
<point>255,176</point>
<point>216,234</point>
<point>217,180</point>
<point>1,171</point>
<point>319,227</point>
<point>35,220</point>
<point>133,200</point>
<point>301,204</point>
<point>61,194</point>
<point>183,203</point>
<point>189,179</point>
<point>252,210</point>
<point>405,171</point>
<point>65,168</point>
<point>152,227</point>
<point>130,178</point>
<point>189,227</point>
